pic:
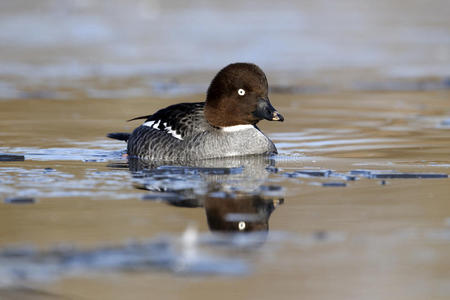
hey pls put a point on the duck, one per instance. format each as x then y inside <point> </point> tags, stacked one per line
<point>224,125</point>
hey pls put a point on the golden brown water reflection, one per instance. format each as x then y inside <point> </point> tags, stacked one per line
<point>370,238</point>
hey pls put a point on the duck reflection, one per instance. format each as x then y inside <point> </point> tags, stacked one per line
<point>237,212</point>
<point>232,191</point>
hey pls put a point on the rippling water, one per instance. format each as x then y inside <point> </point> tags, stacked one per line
<point>356,199</point>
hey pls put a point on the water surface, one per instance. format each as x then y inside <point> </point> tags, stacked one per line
<point>103,49</point>
<point>355,205</point>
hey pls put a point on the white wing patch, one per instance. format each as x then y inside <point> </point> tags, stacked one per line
<point>167,129</point>
<point>149,123</point>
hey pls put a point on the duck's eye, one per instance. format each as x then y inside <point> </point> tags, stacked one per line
<point>241,225</point>
<point>241,92</point>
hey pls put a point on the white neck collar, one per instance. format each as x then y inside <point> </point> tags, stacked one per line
<point>237,128</point>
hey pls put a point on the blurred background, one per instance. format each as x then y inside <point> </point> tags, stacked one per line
<point>135,48</point>
<point>362,168</point>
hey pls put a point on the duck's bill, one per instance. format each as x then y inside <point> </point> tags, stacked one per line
<point>276,116</point>
<point>265,110</point>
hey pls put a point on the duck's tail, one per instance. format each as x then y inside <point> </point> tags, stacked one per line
<point>121,136</point>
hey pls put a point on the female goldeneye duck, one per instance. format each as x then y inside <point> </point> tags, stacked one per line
<point>222,126</point>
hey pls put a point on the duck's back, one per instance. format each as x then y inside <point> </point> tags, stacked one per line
<point>164,133</point>
<point>180,133</point>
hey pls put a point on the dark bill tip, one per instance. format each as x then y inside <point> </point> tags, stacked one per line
<point>277,117</point>
<point>265,110</point>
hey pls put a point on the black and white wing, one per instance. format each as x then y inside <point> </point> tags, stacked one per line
<point>165,129</point>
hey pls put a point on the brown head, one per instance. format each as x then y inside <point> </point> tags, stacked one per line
<point>238,95</point>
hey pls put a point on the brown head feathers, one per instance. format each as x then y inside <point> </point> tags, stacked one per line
<point>238,95</point>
